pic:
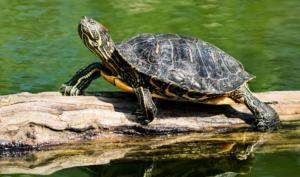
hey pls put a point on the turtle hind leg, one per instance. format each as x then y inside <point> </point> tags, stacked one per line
<point>146,110</point>
<point>81,80</point>
<point>266,118</point>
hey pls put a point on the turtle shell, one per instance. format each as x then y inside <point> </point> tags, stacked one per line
<point>185,61</point>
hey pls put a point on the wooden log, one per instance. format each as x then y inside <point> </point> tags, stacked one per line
<point>36,120</point>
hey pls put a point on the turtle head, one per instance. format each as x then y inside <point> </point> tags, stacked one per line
<point>96,38</point>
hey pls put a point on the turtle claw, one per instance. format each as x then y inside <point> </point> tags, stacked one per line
<point>68,90</point>
<point>141,118</point>
<point>268,126</point>
<point>267,120</point>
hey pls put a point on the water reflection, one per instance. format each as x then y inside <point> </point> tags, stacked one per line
<point>221,166</point>
<point>195,154</point>
<point>189,154</point>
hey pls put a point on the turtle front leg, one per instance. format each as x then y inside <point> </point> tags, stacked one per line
<point>266,118</point>
<point>81,80</point>
<point>146,110</point>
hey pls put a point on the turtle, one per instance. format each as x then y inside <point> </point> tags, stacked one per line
<point>167,66</point>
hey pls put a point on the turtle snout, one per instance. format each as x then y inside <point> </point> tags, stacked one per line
<point>86,20</point>
<point>85,24</point>
<point>91,23</point>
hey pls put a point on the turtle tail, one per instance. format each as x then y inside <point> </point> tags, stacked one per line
<point>266,118</point>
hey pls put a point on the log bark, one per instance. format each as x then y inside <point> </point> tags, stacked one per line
<point>42,119</point>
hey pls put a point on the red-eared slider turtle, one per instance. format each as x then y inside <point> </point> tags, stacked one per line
<point>167,66</point>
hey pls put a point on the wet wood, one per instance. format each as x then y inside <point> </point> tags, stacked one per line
<point>49,118</point>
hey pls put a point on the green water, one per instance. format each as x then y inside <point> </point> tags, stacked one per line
<point>40,48</point>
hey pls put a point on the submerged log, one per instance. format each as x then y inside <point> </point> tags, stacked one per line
<point>37,120</point>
